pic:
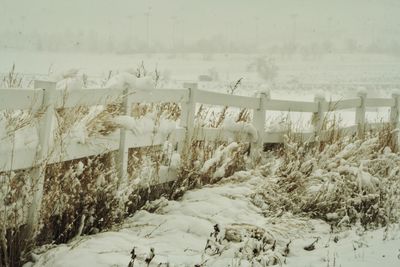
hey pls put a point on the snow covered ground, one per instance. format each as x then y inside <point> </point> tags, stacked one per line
<point>179,232</point>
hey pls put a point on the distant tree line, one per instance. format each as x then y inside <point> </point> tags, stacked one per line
<point>91,41</point>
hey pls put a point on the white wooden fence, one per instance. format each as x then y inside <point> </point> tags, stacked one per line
<point>46,97</point>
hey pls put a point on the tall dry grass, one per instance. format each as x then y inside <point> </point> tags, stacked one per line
<point>344,179</point>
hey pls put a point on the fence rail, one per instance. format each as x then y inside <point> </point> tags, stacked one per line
<point>47,98</point>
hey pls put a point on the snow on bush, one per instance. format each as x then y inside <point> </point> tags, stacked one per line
<point>350,181</point>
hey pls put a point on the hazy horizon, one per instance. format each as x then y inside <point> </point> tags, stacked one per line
<point>177,22</point>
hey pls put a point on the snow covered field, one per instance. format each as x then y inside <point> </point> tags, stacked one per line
<point>327,69</point>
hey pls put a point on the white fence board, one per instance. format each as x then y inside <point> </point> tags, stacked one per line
<point>21,158</point>
<point>74,150</point>
<point>379,102</point>
<point>344,104</point>
<point>218,134</point>
<point>291,106</point>
<point>21,98</point>
<point>24,157</point>
<point>146,139</point>
<point>87,97</point>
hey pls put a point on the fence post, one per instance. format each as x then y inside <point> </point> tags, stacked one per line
<point>259,118</point>
<point>187,116</point>
<point>318,117</point>
<point>123,151</point>
<point>394,120</point>
<point>360,115</point>
<point>45,137</point>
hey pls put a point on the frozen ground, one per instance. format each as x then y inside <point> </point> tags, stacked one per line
<point>179,231</point>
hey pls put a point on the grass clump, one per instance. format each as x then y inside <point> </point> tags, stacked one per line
<point>344,181</point>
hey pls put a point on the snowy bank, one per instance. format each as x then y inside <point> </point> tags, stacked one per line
<point>183,233</point>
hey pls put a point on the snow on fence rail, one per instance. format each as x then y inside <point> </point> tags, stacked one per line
<point>46,98</point>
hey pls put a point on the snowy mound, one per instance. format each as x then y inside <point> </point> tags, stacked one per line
<point>220,226</point>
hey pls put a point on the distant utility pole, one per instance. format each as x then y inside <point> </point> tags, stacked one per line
<point>147,14</point>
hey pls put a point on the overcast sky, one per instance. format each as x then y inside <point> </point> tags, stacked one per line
<point>265,20</point>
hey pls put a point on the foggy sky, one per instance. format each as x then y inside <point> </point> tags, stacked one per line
<point>264,21</point>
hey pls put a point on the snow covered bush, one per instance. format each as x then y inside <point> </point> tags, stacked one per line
<point>208,162</point>
<point>79,198</point>
<point>204,162</point>
<point>345,182</point>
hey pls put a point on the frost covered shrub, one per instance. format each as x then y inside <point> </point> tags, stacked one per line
<point>79,198</point>
<point>15,189</point>
<point>355,180</point>
<point>93,202</point>
<point>204,162</point>
<point>347,182</point>
<point>208,162</point>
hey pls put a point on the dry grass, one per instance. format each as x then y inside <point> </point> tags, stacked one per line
<point>75,189</point>
<point>17,120</point>
<point>12,79</point>
<point>344,180</point>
